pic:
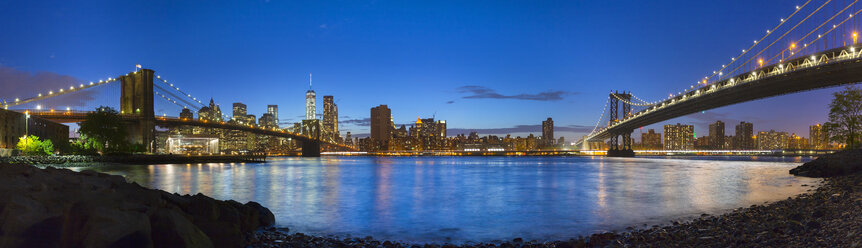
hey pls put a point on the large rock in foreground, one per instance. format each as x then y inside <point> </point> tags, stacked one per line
<point>831,165</point>
<point>61,208</point>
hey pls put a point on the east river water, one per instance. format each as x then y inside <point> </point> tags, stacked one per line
<point>475,199</point>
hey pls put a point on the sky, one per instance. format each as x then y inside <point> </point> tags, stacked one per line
<point>494,67</point>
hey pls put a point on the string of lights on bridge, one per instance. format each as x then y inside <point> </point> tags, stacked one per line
<point>723,76</point>
<point>725,81</point>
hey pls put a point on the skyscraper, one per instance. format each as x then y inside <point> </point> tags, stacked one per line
<point>330,118</point>
<point>272,109</point>
<point>381,123</point>
<point>716,135</point>
<point>678,137</point>
<point>744,136</point>
<point>310,102</point>
<point>240,113</point>
<point>548,131</point>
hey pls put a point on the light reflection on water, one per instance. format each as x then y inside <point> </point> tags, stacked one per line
<point>455,199</point>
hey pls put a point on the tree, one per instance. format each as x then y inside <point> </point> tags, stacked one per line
<point>32,146</point>
<point>104,128</point>
<point>845,117</point>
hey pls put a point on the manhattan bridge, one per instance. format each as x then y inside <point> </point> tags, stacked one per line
<point>815,46</point>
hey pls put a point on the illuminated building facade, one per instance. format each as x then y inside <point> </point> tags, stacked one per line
<point>678,137</point>
<point>744,137</point>
<point>817,137</point>
<point>772,140</point>
<point>310,105</point>
<point>330,119</point>
<point>272,109</point>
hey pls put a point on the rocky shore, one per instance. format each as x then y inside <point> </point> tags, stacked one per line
<point>830,216</point>
<point>61,208</point>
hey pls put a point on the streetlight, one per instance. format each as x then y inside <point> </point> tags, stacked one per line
<point>26,123</point>
<point>855,36</point>
<point>760,61</point>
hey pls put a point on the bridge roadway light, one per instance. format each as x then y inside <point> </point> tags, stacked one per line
<point>760,61</point>
<point>855,36</point>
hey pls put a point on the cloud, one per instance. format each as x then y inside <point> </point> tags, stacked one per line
<point>22,84</point>
<point>481,92</point>
<point>323,26</point>
<point>358,122</point>
<point>450,102</point>
<point>518,129</point>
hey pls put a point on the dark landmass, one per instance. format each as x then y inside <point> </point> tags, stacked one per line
<point>61,208</point>
<point>836,164</point>
<point>88,160</point>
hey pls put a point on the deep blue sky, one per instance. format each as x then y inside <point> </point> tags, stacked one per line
<point>477,64</point>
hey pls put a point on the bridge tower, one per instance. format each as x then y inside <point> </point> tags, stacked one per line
<point>136,99</point>
<point>616,149</point>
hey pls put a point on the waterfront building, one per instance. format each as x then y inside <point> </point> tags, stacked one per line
<point>14,125</point>
<point>744,137</point>
<point>716,135</point>
<point>817,137</point>
<point>678,137</point>
<point>651,140</point>
<point>192,144</point>
<point>330,119</point>
<point>772,140</point>
<point>548,132</point>
<point>381,123</point>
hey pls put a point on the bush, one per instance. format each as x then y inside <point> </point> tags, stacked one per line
<point>31,146</point>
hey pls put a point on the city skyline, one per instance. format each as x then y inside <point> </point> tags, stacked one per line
<point>487,92</point>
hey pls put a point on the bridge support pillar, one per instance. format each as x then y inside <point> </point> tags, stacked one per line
<point>616,149</point>
<point>136,98</point>
<point>310,148</point>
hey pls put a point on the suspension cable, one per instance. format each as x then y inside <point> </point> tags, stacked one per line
<point>600,118</point>
<point>744,51</point>
<point>812,31</point>
<point>779,38</point>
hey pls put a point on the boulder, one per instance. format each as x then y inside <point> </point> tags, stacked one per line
<point>171,229</point>
<point>61,208</point>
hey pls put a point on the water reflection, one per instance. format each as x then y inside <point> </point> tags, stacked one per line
<point>453,199</point>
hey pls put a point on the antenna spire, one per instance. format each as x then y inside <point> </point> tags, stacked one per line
<point>309,80</point>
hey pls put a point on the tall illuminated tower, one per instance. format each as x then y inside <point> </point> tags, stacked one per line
<point>310,99</point>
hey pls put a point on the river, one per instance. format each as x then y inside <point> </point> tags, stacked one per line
<point>474,199</point>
